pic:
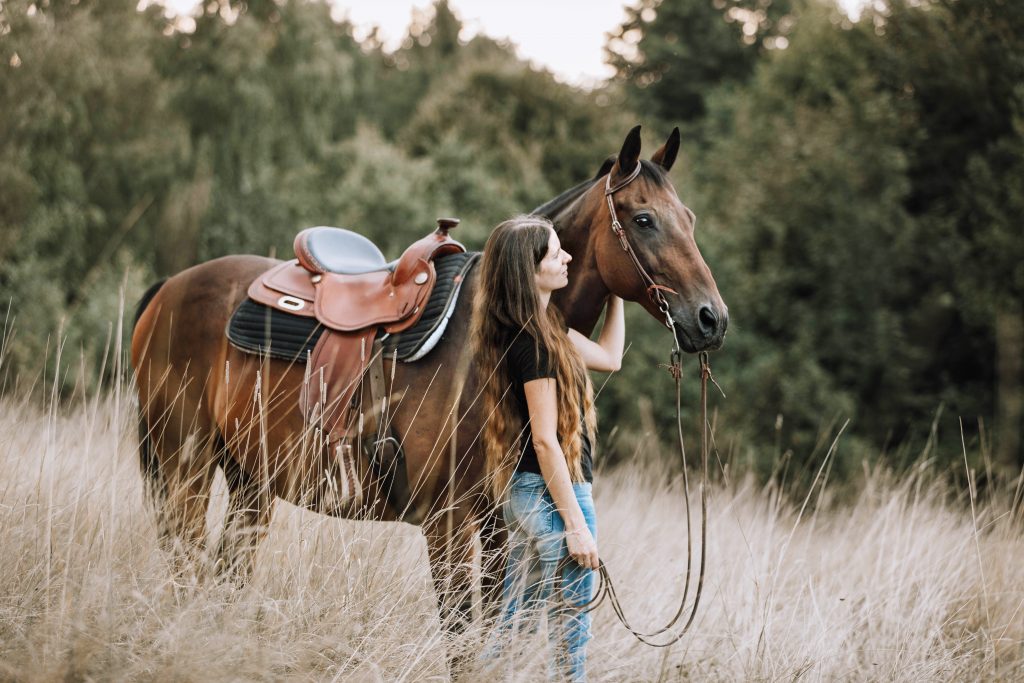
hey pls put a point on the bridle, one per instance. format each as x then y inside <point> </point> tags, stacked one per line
<point>654,290</point>
<point>605,588</point>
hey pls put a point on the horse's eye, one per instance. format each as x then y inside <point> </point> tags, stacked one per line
<point>644,221</point>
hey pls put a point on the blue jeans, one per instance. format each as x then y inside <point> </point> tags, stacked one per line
<point>536,534</point>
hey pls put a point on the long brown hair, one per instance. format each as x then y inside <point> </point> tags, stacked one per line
<point>508,304</point>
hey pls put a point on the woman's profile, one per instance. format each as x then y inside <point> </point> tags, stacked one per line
<point>539,432</point>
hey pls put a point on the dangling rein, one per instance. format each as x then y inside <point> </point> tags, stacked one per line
<point>605,586</point>
<point>666,635</point>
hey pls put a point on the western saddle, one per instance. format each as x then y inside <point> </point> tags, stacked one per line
<point>343,280</point>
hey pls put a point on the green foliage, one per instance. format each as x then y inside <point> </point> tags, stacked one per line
<point>994,203</point>
<point>932,60</point>
<point>859,185</point>
<point>383,193</point>
<point>537,136</point>
<point>268,99</point>
<point>428,53</point>
<point>87,148</point>
<point>671,55</point>
<point>808,190</point>
<point>845,191</point>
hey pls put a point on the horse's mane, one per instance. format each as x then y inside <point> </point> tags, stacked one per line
<point>555,206</point>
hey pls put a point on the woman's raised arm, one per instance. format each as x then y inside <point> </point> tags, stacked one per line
<point>604,355</point>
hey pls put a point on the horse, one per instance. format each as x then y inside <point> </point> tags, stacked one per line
<point>204,404</point>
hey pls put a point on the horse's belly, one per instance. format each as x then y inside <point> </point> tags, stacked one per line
<point>258,414</point>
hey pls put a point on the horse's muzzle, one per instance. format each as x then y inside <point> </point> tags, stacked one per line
<point>703,331</point>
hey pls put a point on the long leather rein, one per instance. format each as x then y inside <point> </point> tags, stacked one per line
<point>666,635</point>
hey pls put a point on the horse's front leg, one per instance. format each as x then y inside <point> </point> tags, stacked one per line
<point>452,551</point>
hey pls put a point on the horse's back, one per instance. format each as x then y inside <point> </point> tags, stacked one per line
<point>187,315</point>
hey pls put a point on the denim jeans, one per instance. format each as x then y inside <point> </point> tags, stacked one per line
<point>531,589</point>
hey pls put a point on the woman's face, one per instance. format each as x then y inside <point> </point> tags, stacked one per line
<point>553,269</point>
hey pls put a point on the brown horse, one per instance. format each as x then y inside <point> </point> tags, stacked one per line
<point>204,404</point>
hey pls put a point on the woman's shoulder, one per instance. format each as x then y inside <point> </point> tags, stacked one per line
<point>528,357</point>
<point>522,338</point>
<point>520,342</point>
<point>516,339</point>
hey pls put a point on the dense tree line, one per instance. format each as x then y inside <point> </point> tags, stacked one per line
<point>859,190</point>
<point>858,186</point>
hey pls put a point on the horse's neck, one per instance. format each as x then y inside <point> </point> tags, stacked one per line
<point>582,301</point>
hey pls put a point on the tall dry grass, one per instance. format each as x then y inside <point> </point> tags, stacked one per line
<point>906,583</point>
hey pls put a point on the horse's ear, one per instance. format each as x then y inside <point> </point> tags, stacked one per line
<point>666,154</point>
<point>629,155</point>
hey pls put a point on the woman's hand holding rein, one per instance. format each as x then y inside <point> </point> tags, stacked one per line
<point>582,547</point>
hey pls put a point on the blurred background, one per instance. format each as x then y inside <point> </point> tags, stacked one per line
<point>857,171</point>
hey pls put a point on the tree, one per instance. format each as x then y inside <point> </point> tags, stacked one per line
<point>535,136</point>
<point>933,59</point>
<point>805,190</point>
<point>672,54</point>
<point>88,149</point>
<point>864,218</point>
<point>428,54</point>
<point>268,98</point>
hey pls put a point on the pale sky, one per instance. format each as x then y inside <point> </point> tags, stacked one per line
<point>565,36</point>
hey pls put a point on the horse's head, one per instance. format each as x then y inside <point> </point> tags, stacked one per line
<point>658,229</point>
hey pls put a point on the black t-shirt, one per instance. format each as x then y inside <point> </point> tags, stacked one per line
<point>526,364</point>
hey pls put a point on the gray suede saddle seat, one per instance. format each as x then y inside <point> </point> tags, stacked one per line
<point>336,250</point>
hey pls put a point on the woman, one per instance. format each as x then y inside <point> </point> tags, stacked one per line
<point>538,438</point>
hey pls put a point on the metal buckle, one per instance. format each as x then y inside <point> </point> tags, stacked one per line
<point>291,303</point>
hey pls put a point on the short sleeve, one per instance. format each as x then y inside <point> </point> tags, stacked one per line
<point>525,363</point>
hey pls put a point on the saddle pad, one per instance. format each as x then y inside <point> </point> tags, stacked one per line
<point>267,331</point>
<point>418,340</point>
<point>263,330</point>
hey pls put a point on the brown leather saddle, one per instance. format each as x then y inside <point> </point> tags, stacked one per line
<point>343,280</point>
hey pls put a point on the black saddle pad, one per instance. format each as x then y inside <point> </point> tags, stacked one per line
<point>263,330</point>
<point>260,329</point>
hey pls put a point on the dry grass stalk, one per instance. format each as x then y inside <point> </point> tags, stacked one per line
<point>902,584</point>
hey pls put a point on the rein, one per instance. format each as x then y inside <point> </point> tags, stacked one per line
<point>666,635</point>
<point>605,586</point>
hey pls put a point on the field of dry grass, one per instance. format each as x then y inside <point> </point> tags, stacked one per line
<point>904,584</point>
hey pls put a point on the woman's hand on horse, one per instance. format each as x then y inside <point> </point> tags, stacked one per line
<point>582,547</point>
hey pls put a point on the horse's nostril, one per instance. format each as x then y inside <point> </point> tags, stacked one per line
<point>708,319</point>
